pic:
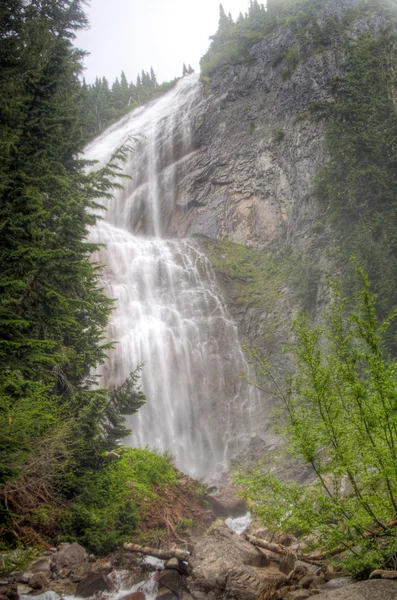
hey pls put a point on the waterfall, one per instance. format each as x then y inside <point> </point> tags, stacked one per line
<point>169,314</point>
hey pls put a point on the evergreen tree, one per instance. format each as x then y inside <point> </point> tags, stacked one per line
<point>52,309</point>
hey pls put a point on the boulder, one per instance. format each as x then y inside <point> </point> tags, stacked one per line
<point>39,581</point>
<point>374,589</point>
<point>43,565</point>
<point>80,572</point>
<point>69,555</point>
<point>223,562</point>
<point>95,582</point>
<point>226,502</point>
<point>174,563</point>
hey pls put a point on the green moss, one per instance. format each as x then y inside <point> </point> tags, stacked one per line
<point>253,277</point>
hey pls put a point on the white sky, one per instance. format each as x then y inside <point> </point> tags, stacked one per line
<point>132,35</point>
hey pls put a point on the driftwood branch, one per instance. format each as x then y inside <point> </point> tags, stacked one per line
<point>283,550</point>
<point>340,549</point>
<point>158,553</point>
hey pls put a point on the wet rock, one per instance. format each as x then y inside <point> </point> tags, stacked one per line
<point>373,589</point>
<point>95,582</point>
<point>70,554</point>
<point>174,563</point>
<point>226,503</point>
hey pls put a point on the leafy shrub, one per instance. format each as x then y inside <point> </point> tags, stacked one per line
<point>338,416</point>
<point>108,508</point>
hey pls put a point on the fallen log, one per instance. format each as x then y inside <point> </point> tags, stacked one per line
<point>183,555</point>
<point>283,550</point>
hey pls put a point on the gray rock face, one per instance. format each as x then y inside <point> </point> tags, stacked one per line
<point>364,590</point>
<point>71,554</point>
<point>222,562</point>
<point>247,176</point>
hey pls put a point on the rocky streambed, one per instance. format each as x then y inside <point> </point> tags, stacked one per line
<point>220,564</point>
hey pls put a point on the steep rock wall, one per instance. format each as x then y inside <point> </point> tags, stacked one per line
<point>256,150</point>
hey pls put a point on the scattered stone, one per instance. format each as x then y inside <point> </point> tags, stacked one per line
<point>374,589</point>
<point>39,581</point>
<point>380,574</point>
<point>95,582</point>
<point>71,554</point>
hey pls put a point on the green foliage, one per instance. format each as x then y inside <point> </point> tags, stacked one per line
<point>304,279</point>
<point>53,312</point>
<point>109,502</point>
<point>315,24</point>
<point>16,559</point>
<point>252,277</point>
<point>340,417</point>
<point>184,525</point>
<point>291,59</point>
<point>278,133</point>
<point>358,186</point>
<point>103,104</point>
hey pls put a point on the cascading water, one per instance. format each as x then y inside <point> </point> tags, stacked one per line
<point>169,314</point>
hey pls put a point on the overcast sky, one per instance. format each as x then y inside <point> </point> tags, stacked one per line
<point>132,35</point>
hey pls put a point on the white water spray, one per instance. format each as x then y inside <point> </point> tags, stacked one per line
<point>169,314</point>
